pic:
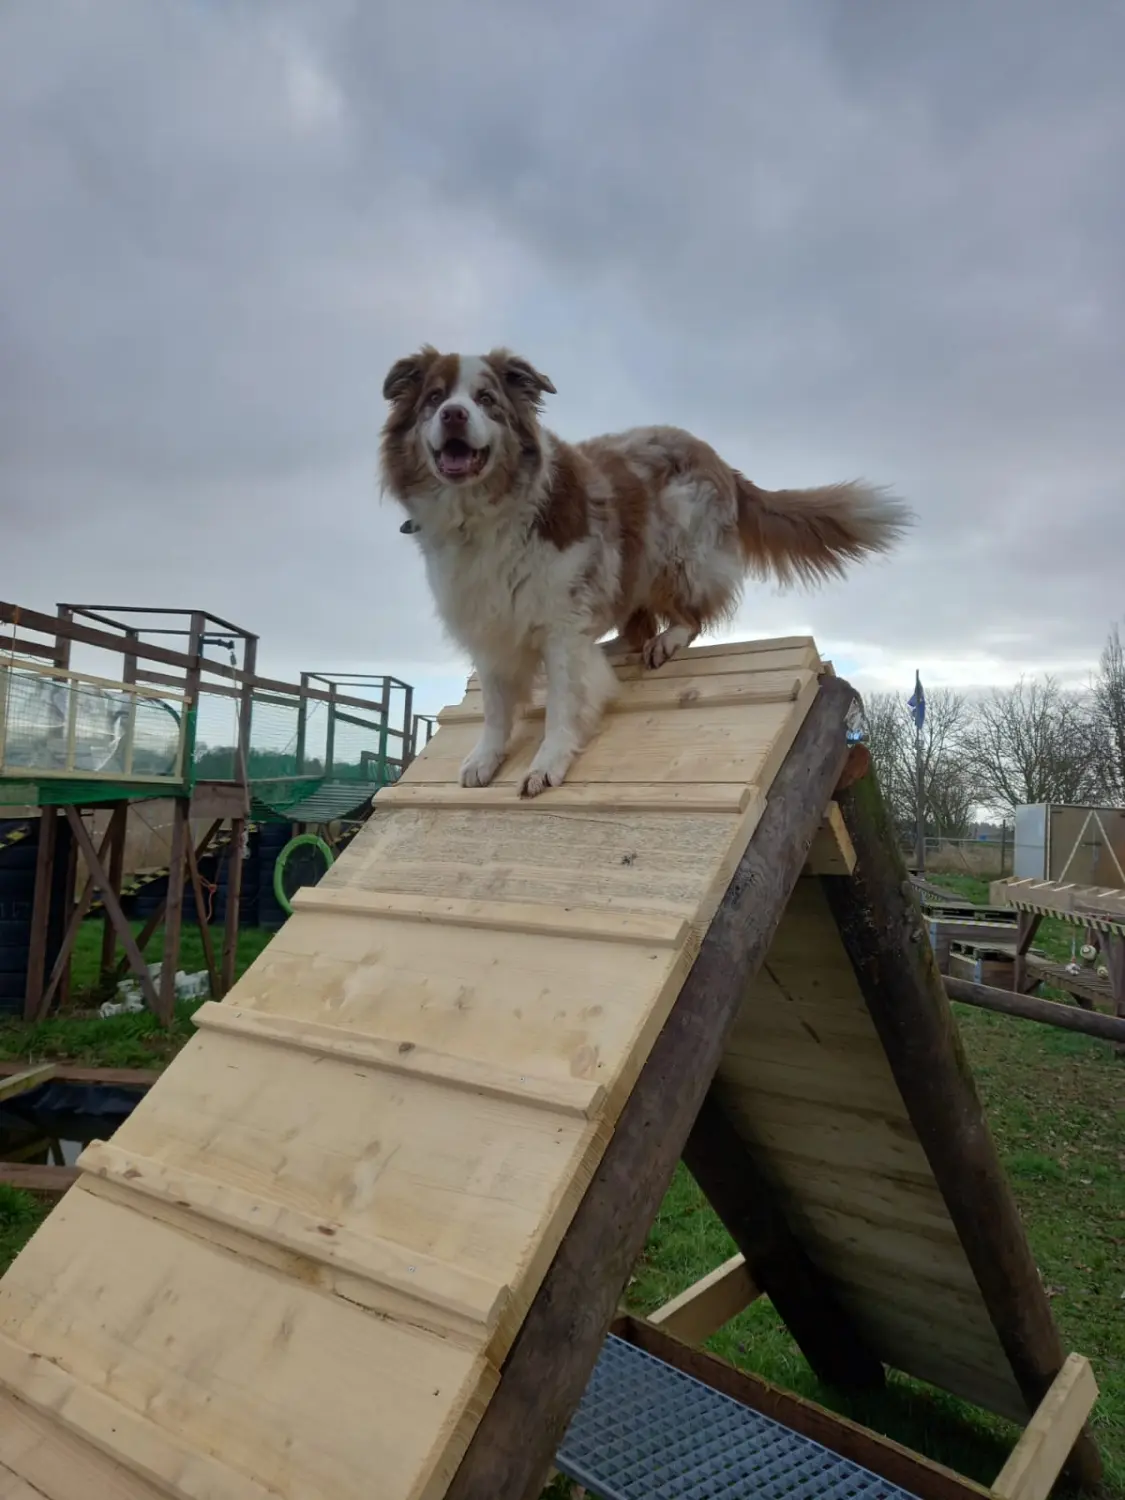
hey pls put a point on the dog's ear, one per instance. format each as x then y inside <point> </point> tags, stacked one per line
<point>520,377</point>
<point>406,375</point>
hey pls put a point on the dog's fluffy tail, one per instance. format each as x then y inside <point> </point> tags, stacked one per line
<point>809,535</point>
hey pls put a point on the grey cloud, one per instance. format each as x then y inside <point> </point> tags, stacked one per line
<point>878,239</point>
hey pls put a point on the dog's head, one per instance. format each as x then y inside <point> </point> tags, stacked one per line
<point>461,422</point>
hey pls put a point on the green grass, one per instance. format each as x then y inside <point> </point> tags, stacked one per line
<point>1056,1107</point>
<point>80,1035</point>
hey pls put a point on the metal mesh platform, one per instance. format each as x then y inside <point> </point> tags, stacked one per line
<point>646,1431</point>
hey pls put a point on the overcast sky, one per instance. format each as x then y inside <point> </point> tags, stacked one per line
<point>835,237</point>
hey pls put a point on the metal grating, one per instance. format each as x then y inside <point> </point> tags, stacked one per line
<point>646,1431</point>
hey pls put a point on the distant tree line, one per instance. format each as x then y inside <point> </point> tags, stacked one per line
<point>1034,742</point>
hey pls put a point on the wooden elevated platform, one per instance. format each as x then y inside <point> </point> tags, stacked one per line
<point>367,1233</point>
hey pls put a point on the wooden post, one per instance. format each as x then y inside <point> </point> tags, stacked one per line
<point>118,828</point>
<point>302,723</point>
<point>1027,925</point>
<point>201,916</point>
<point>749,1207</point>
<point>905,996</point>
<point>1113,947</point>
<point>229,966</point>
<point>174,910</point>
<point>113,906</point>
<point>66,883</point>
<point>119,819</point>
<point>551,1359</point>
<point>61,965</point>
<point>330,732</point>
<point>41,911</point>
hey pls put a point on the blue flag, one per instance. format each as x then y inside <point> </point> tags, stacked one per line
<point>917,704</point>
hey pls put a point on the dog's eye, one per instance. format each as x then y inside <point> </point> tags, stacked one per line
<point>434,399</point>
<point>486,399</point>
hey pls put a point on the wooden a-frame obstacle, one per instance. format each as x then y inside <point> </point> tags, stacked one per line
<point>368,1233</point>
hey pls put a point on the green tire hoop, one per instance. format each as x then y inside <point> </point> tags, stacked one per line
<point>302,840</point>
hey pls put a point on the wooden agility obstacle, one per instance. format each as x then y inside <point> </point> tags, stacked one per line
<point>368,1232</point>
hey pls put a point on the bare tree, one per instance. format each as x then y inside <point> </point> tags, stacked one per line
<point>949,790</point>
<point>1035,742</point>
<point>1109,717</point>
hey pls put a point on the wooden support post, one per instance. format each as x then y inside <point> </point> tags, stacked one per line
<point>173,910</point>
<point>553,1354</point>
<point>113,906</point>
<point>1113,947</point>
<point>234,899</point>
<point>66,878</point>
<point>61,966</point>
<point>1027,926</point>
<point>749,1206</point>
<point>41,911</point>
<point>201,917</point>
<point>905,996</point>
<point>118,827</point>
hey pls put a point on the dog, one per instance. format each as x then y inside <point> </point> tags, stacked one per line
<point>536,548</point>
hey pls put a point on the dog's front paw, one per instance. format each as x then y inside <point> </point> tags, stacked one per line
<point>537,781</point>
<point>545,771</point>
<point>481,766</point>
<point>656,652</point>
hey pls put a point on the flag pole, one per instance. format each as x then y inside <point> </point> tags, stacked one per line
<point>918,707</point>
<point>919,804</point>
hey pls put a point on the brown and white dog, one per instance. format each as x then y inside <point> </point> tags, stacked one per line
<point>535,548</point>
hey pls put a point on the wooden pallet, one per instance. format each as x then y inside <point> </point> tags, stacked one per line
<point>301,1261</point>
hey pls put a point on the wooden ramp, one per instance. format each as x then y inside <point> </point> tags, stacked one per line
<point>420,1143</point>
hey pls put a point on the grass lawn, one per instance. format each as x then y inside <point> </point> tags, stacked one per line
<point>1056,1105</point>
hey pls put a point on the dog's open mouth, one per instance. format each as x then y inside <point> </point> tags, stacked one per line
<point>457,459</point>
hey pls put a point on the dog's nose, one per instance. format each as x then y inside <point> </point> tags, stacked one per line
<point>454,416</point>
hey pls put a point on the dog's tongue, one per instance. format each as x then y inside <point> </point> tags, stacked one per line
<point>456,458</point>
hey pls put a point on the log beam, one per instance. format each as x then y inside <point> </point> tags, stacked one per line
<point>904,992</point>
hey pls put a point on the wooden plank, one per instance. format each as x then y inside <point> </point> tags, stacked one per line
<point>129,1078</point>
<point>551,1359</point>
<point>651,695</point>
<point>152,1452</point>
<point>664,863</point>
<point>567,1096</point>
<point>499,916</point>
<point>708,1304</point>
<point>748,1204</point>
<point>892,1461</point>
<point>1038,1457</point>
<point>445,1288</point>
<point>831,852</point>
<point>806,1080</point>
<point>716,797</point>
<point>1033,1008</point>
<point>58,1465</point>
<point>35,1177</point>
<point>24,1081</point>
<point>903,990</point>
<point>727,744</point>
<point>219,799</point>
